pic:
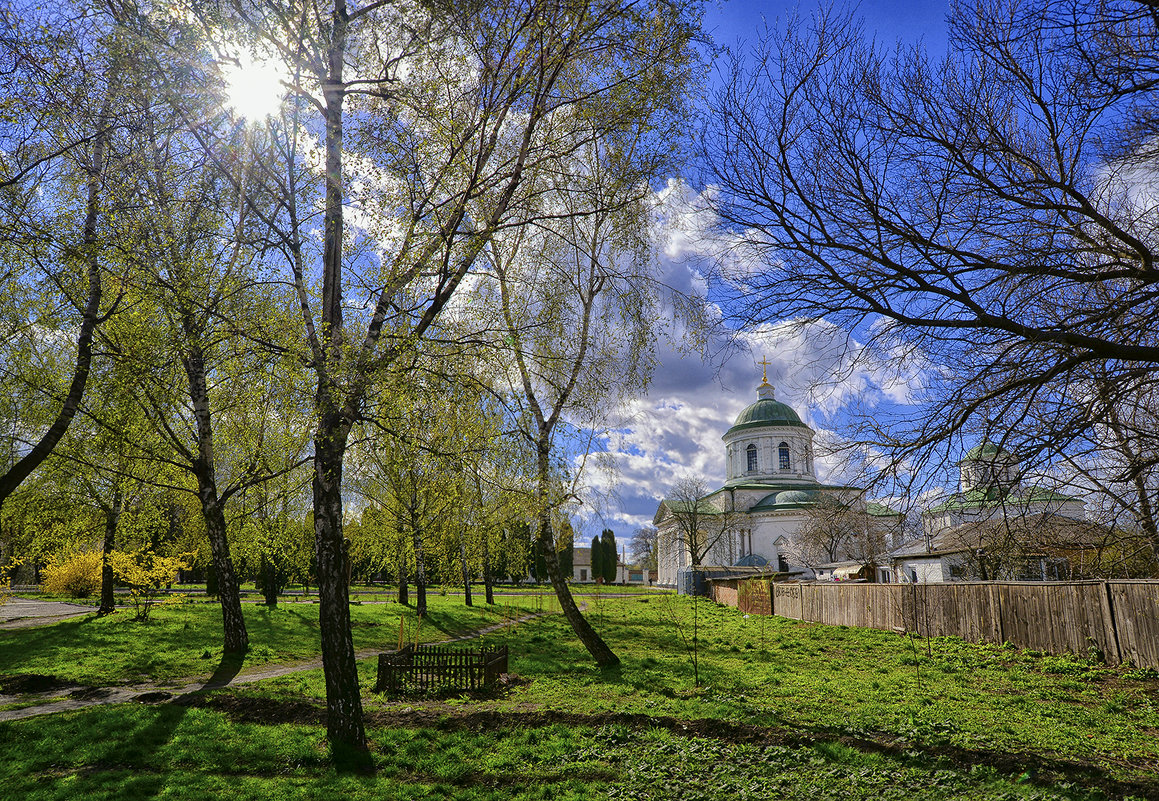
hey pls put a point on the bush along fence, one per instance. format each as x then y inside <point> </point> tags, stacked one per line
<point>1118,619</point>
<point>421,669</point>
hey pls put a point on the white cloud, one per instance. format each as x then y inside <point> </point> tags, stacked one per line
<point>675,430</point>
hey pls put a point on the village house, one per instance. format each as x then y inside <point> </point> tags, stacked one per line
<point>625,573</point>
<point>995,527</point>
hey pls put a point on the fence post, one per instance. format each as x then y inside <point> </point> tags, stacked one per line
<point>999,614</point>
<point>914,593</point>
<point>1114,623</point>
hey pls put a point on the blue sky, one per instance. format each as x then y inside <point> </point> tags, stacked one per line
<point>676,429</point>
<point>906,20</point>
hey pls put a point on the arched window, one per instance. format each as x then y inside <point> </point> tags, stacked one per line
<point>783,453</point>
<point>751,456</point>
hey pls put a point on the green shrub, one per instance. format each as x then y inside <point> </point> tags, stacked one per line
<point>77,575</point>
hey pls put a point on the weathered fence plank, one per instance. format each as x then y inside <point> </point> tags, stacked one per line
<point>787,600</point>
<point>1135,605</point>
<point>1118,618</point>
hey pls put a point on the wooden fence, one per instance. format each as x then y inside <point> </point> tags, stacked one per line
<point>1118,619</point>
<point>439,668</point>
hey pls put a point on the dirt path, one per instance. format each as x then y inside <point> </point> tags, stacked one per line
<point>84,697</point>
<point>22,613</point>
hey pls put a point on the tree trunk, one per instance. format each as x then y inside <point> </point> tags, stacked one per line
<point>403,596</point>
<point>420,573</point>
<point>112,517</point>
<point>19,471</point>
<point>546,539</point>
<point>235,636</point>
<point>269,582</point>
<point>466,575</point>
<point>344,724</point>
<point>488,589</point>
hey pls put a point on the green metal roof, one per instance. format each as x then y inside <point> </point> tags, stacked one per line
<point>987,451</point>
<point>992,497</point>
<point>703,506</point>
<point>876,509</point>
<point>766,412</point>
<point>786,499</point>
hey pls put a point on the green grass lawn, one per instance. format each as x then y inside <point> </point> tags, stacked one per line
<point>183,641</point>
<point>785,709</point>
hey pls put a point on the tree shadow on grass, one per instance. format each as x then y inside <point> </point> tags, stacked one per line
<point>224,673</point>
<point>155,737</point>
<point>433,621</point>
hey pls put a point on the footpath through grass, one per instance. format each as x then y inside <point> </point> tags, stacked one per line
<point>786,709</point>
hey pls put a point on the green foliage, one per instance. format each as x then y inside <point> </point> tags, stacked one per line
<point>6,572</point>
<point>540,566</point>
<point>145,573</point>
<point>77,575</point>
<point>565,548</point>
<point>609,557</point>
<point>597,557</point>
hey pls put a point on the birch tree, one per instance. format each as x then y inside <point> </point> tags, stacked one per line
<point>455,107</point>
<point>60,118</point>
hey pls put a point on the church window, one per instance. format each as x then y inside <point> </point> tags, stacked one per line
<point>751,455</point>
<point>783,452</point>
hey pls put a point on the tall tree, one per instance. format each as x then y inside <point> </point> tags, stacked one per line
<point>696,524</point>
<point>981,224</point>
<point>644,548</point>
<point>566,547</point>
<point>597,559</point>
<point>61,114</point>
<point>609,559</point>
<point>457,106</point>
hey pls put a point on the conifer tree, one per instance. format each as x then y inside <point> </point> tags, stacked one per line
<point>608,557</point>
<point>597,559</point>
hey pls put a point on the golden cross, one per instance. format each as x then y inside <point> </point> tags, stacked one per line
<point>765,372</point>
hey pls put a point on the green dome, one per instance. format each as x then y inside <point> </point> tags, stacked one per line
<point>786,499</point>
<point>766,412</point>
<point>986,451</point>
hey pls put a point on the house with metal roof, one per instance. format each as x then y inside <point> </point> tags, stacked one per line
<point>995,527</point>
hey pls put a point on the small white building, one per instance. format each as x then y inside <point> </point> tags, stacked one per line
<point>581,572</point>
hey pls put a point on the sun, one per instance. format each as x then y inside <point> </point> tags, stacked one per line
<point>254,88</point>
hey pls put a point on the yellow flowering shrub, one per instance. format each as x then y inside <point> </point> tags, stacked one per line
<point>77,574</point>
<point>145,574</point>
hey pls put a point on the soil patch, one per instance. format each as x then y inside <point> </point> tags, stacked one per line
<point>160,696</point>
<point>245,709</point>
<point>31,683</point>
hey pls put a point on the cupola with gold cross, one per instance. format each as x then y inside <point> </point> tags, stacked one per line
<point>769,443</point>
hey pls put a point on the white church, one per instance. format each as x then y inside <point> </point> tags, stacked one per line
<point>769,490</point>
